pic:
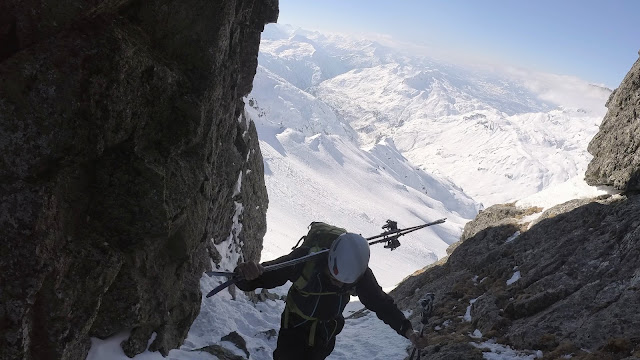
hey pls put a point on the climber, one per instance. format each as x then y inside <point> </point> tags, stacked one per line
<point>321,288</point>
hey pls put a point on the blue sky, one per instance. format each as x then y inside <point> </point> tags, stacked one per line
<point>594,40</point>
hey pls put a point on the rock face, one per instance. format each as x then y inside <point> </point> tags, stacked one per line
<point>579,277</point>
<point>123,151</point>
<point>567,284</point>
<point>616,147</point>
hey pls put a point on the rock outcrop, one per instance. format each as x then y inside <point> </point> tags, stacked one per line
<point>566,284</point>
<point>616,147</point>
<point>123,152</point>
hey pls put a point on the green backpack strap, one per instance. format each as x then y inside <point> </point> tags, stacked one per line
<point>298,243</point>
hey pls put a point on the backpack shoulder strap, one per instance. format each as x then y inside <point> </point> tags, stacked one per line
<point>307,271</point>
<point>298,243</point>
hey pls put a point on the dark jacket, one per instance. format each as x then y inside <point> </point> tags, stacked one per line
<point>330,307</point>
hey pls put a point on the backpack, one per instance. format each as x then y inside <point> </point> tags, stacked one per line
<point>319,237</point>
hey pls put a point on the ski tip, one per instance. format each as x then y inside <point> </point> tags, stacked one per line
<point>215,291</point>
<point>221,287</point>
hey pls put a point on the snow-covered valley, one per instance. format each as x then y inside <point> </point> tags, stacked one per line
<point>498,133</point>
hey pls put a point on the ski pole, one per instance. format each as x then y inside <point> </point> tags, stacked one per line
<point>427,308</point>
<point>391,236</point>
<point>405,231</point>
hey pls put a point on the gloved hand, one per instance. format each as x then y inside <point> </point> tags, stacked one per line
<point>418,341</point>
<point>249,270</point>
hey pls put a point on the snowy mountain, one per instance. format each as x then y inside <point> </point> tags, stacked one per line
<point>315,170</point>
<point>500,134</point>
<point>353,133</point>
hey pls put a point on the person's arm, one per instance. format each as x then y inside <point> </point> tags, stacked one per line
<point>375,299</point>
<point>258,278</point>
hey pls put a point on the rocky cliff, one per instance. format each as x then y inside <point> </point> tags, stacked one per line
<point>616,159</point>
<point>123,153</point>
<point>565,285</point>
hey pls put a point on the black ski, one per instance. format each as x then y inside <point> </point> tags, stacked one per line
<point>390,236</point>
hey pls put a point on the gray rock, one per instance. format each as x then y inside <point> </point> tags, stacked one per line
<point>263,295</point>
<point>269,334</point>
<point>122,138</point>
<point>615,148</point>
<point>486,315</point>
<point>496,215</point>
<point>454,351</point>
<point>237,340</point>
<point>220,352</point>
<point>580,276</point>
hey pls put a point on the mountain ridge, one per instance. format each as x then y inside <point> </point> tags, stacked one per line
<point>424,105</point>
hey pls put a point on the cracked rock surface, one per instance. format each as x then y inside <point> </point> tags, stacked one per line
<point>122,142</point>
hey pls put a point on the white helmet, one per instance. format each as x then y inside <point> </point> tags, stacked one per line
<point>348,257</point>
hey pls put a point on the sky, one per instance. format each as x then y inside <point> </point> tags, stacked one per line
<point>597,41</point>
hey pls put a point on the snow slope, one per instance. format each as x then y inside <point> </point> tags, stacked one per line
<point>500,133</point>
<point>316,171</point>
